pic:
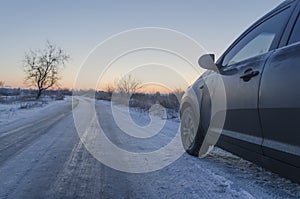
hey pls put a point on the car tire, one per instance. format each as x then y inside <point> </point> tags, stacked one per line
<point>191,136</point>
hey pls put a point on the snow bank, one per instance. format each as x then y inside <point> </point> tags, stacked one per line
<point>15,112</point>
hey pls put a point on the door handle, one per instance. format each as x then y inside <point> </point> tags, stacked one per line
<point>249,73</point>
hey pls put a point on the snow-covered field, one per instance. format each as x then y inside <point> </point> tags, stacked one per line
<point>21,113</point>
<point>46,159</point>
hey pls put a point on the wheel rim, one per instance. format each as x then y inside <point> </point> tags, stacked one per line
<point>188,128</point>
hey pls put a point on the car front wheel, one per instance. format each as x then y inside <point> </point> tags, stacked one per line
<point>191,138</point>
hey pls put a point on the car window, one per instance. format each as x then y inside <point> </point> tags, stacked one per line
<point>258,41</point>
<point>258,45</point>
<point>295,36</point>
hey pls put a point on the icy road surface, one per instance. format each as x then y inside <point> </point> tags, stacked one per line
<point>41,156</point>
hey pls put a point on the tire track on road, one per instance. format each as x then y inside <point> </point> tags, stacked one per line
<point>14,141</point>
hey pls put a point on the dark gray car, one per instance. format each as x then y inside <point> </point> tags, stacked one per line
<point>260,74</point>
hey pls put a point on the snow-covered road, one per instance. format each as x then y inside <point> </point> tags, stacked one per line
<point>41,156</point>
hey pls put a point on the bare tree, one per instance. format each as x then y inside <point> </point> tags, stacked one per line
<point>2,84</point>
<point>42,67</point>
<point>128,85</point>
<point>110,87</point>
<point>178,92</point>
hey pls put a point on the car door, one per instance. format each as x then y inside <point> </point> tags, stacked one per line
<point>241,69</point>
<point>279,102</point>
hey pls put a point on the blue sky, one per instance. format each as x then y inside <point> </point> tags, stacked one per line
<point>78,26</point>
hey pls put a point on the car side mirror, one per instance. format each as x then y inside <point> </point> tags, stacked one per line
<point>207,61</point>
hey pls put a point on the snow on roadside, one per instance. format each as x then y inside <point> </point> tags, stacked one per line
<point>141,116</point>
<point>264,180</point>
<point>234,176</point>
<point>15,112</point>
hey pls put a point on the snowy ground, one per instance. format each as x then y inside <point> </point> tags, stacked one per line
<point>21,113</point>
<point>41,156</point>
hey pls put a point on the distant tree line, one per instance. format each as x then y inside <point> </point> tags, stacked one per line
<point>11,95</point>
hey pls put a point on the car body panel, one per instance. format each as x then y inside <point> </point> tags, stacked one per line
<point>279,105</point>
<point>242,101</point>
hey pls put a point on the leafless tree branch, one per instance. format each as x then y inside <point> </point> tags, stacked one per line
<point>2,84</point>
<point>42,66</point>
<point>128,84</point>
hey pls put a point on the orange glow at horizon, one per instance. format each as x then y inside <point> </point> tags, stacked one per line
<point>149,89</point>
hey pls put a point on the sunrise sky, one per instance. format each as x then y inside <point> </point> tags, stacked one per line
<point>79,26</point>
